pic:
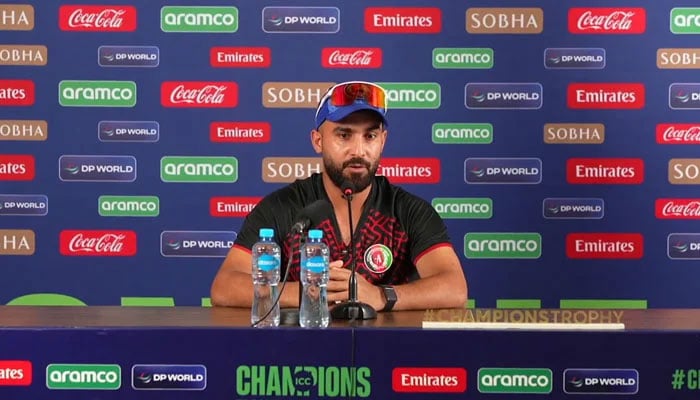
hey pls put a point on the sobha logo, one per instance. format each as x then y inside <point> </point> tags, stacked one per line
<point>97,93</point>
<point>518,21</point>
<point>293,94</point>
<point>412,94</point>
<point>515,380</point>
<point>16,17</point>
<point>289,169</point>
<point>199,19</point>
<point>293,381</point>
<point>84,376</point>
<point>502,245</point>
<point>199,169</point>
<point>128,206</point>
<point>23,54</point>
<point>465,207</point>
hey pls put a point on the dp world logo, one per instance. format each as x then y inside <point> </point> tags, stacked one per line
<point>24,204</point>
<point>503,96</point>
<point>168,377</point>
<point>574,58</point>
<point>503,170</point>
<point>684,96</point>
<point>128,56</point>
<point>600,381</point>
<point>301,19</point>
<point>573,208</point>
<point>128,131</point>
<point>97,168</point>
<point>196,243</point>
<point>683,246</point>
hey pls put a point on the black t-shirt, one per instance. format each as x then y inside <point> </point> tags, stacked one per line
<point>394,230</point>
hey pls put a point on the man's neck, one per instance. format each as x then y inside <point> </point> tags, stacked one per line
<point>338,199</point>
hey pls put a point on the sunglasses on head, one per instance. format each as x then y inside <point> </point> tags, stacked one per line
<point>347,93</point>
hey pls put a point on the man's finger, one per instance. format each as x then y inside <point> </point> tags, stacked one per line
<point>337,286</point>
<point>336,274</point>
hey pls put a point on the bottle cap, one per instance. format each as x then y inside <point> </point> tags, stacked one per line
<point>315,234</point>
<point>267,232</point>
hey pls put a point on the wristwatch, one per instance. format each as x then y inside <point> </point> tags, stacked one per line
<point>390,296</point>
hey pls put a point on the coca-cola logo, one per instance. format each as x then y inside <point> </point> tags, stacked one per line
<point>97,18</point>
<point>607,20</point>
<point>678,208</point>
<point>616,21</point>
<point>689,209</point>
<point>199,94</point>
<point>209,94</point>
<point>104,19</point>
<point>351,57</point>
<point>360,57</point>
<point>98,243</point>
<point>678,133</point>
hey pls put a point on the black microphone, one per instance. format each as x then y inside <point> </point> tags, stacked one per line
<point>352,308</point>
<point>312,215</point>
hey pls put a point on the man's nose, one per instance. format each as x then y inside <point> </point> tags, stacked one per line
<point>357,145</point>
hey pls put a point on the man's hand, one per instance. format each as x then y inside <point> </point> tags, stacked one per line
<point>338,287</point>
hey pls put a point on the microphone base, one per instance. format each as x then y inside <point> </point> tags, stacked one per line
<point>353,310</point>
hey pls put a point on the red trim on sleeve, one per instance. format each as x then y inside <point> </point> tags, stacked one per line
<point>429,249</point>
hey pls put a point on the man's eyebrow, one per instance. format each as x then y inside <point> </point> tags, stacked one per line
<point>342,129</point>
<point>349,129</point>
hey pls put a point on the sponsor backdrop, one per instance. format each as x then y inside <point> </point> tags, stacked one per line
<point>344,364</point>
<point>558,140</point>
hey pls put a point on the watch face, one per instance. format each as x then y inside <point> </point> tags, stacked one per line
<point>389,293</point>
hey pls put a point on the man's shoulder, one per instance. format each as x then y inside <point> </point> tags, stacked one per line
<point>296,193</point>
<point>398,195</point>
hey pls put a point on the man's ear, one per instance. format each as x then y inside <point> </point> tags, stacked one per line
<point>316,141</point>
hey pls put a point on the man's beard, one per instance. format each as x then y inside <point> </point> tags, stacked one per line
<point>360,181</point>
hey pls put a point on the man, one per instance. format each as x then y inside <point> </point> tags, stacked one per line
<point>404,256</point>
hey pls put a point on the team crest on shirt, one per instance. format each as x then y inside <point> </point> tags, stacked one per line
<point>378,258</point>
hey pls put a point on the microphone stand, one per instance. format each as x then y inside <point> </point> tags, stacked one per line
<point>352,308</point>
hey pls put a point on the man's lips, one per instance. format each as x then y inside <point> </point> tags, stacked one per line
<point>356,166</point>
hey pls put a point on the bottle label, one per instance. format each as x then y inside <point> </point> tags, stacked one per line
<point>267,262</point>
<point>316,264</point>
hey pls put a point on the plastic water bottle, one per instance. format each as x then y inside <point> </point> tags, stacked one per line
<point>266,277</point>
<point>313,311</point>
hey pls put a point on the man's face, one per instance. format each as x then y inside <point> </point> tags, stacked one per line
<point>351,148</point>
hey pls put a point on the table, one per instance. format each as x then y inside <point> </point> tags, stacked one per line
<point>211,353</point>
